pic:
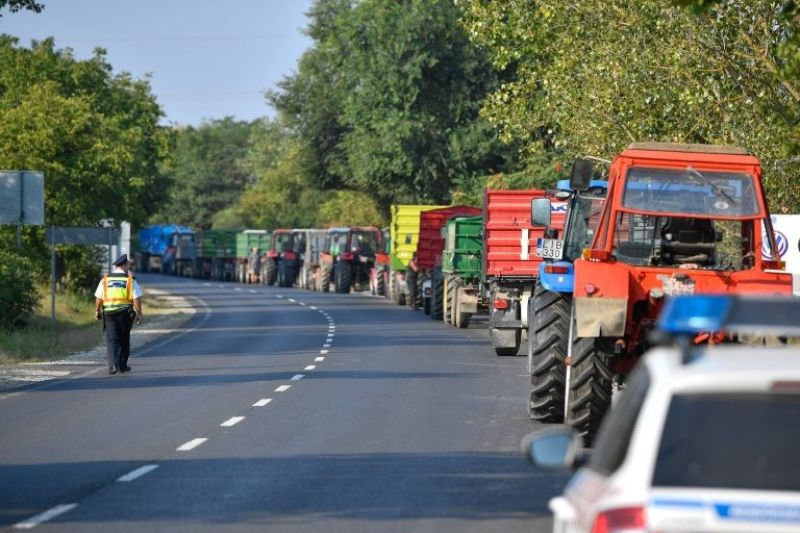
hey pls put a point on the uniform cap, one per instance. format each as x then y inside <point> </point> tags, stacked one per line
<point>121,260</point>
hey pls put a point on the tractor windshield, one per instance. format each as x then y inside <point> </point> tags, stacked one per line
<point>283,242</point>
<point>687,243</point>
<point>583,218</point>
<point>690,192</point>
<point>363,242</point>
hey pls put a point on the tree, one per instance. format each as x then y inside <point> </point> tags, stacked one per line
<point>206,171</point>
<point>17,5</point>
<point>590,77</point>
<point>387,100</point>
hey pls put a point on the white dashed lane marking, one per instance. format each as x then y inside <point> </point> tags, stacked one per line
<point>253,292</point>
<point>298,377</point>
<point>283,388</point>
<point>319,359</point>
<point>323,352</point>
<point>310,367</point>
<point>191,445</point>
<point>326,345</point>
<point>232,421</point>
<point>136,474</point>
<point>34,521</point>
<point>262,402</point>
<point>238,289</point>
<point>314,307</point>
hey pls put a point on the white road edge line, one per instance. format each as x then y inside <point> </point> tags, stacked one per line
<point>136,474</point>
<point>298,377</point>
<point>319,359</point>
<point>191,445</point>
<point>232,421</point>
<point>283,388</point>
<point>34,521</point>
<point>310,367</point>
<point>262,402</point>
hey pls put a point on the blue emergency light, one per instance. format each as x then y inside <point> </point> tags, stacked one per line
<point>695,314</point>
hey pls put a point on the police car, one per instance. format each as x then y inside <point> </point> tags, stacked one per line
<point>701,439</point>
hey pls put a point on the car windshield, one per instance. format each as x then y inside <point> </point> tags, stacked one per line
<point>730,441</point>
<point>691,192</point>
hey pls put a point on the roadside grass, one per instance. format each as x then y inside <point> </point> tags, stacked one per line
<point>76,328</point>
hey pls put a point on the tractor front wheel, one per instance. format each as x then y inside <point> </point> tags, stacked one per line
<point>589,385</point>
<point>548,342</point>
<point>344,277</point>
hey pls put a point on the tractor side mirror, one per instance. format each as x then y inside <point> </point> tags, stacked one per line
<point>581,174</point>
<point>540,212</point>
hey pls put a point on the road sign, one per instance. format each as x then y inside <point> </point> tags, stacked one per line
<point>22,197</point>
<point>61,235</point>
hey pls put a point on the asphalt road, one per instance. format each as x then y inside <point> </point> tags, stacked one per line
<point>357,416</point>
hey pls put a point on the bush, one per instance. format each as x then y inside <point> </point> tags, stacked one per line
<point>17,290</point>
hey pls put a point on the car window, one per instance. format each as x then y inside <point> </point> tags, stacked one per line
<point>615,433</point>
<point>731,441</point>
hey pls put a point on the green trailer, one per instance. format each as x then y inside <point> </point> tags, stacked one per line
<point>216,254</point>
<point>462,266</point>
<point>247,270</point>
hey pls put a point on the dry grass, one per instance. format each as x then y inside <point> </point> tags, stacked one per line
<point>76,329</point>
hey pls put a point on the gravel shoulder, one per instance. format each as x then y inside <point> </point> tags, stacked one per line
<point>167,316</point>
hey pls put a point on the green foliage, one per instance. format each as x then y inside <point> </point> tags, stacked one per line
<point>17,290</point>
<point>387,100</point>
<point>206,171</point>
<point>590,77</point>
<point>18,5</point>
<point>95,135</point>
<point>349,208</point>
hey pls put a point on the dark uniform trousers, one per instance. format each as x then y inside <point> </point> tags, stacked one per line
<point>118,337</point>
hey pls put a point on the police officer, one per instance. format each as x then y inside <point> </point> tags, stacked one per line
<point>118,304</point>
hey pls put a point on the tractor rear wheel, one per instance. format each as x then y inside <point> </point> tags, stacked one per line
<point>344,277</point>
<point>437,294</point>
<point>325,279</point>
<point>548,342</point>
<point>380,283</point>
<point>271,271</point>
<point>589,385</point>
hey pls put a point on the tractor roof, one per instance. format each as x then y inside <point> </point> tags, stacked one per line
<point>691,148</point>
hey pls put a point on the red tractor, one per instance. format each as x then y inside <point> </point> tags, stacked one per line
<point>348,258</point>
<point>678,219</point>
<point>283,259</point>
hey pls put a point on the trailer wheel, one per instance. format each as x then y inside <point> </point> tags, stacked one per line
<point>548,342</point>
<point>446,307</point>
<point>437,294</point>
<point>589,385</point>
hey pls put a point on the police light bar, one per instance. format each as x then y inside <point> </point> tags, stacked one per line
<point>765,315</point>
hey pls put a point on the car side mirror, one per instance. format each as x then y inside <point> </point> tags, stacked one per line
<point>553,448</point>
<point>540,212</point>
<point>581,174</point>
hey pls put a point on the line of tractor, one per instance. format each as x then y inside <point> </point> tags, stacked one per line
<point>574,276</point>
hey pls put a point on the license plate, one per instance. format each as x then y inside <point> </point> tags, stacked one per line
<point>550,249</point>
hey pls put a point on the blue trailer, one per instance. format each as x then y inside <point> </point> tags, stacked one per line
<point>169,249</point>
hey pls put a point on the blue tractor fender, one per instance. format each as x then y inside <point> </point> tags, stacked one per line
<point>557,276</point>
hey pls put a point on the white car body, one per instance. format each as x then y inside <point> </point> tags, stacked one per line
<point>719,370</point>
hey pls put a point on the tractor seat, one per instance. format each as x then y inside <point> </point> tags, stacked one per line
<point>686,240</point>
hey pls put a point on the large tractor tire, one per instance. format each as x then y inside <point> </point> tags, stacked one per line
<point>452,299</point>
<point>380,283</point>
<point>589,385</point>
<point>548,342</point>
<point>325,279</point>
<point>285,277</point>
<point>412,299</point>
<point>461,319</point>
<point>437,294</point>
<point>310,281</point>
<point>446,308</point>
<point>343,277</point>
<point>271,271</point>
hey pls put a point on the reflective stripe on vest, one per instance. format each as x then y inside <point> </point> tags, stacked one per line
<point>117,294</point>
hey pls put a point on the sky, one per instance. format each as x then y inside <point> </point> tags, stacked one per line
<point>206,61</point>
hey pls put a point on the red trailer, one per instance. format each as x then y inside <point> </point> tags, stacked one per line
<point>424,277</point>
<point>511,265</point>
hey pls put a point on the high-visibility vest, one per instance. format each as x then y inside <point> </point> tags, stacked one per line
<point>117,291</point>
